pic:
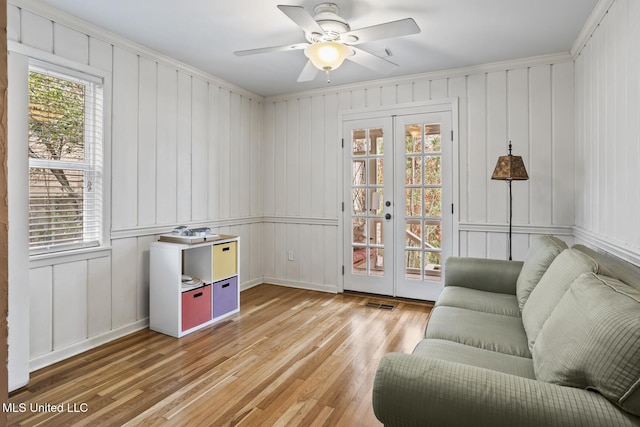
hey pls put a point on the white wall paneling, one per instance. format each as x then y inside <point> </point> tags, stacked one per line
<point>147,137</point>
<point>100,54</point>
<point>70,44</point>
<point>607,132</point>
<point>69,303</point>
<point>40,311</point>
<point>184,150</point>
<point>200,150</point>
<point>166,148</point>
<point>125,135</point>
<point>13,23</point>
<point>223,166</point>
<point>213,158</point>
<point>36,31</point>
<point>124,293</point>
<point>528,103</point>
<point>188,148</point>
<point>99,305</point>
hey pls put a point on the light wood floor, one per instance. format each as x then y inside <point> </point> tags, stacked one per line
<point>290,357</point>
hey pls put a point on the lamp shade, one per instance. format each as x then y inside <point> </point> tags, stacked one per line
<point>326,55</point>
<point>510,168</point>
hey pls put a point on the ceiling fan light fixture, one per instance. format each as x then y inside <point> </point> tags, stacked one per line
<point>327,55</point>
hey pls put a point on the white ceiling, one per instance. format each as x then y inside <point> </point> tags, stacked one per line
<point>455,33</point>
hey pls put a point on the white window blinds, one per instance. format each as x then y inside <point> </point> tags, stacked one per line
<point>65,159</point>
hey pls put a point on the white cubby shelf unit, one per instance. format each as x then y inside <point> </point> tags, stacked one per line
<point>177,310</point>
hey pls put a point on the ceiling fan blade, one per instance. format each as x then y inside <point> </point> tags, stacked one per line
<point>309,72</point>
<point>371,61</point>
<point>270,49</point>
<point>403,27</point>
<point>302,18</point>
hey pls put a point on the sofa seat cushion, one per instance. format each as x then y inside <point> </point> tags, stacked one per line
<point>494,332</point>
<point>592,341</point>
<point>474,356</point>
<point>564,269</point>
<point>474,299</point>
<point>541,254</point>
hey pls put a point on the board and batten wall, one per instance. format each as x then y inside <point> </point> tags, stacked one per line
<point>607,63</point>
<point>528,102</point>
<point>178,135</point>
<point>184,148</point>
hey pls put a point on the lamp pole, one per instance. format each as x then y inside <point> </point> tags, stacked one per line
<point>510,214</point>
<point>509,168</point>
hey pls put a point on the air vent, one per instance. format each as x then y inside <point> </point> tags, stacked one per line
<point>380,306</point>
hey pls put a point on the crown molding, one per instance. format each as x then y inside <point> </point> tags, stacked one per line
<point>599,12</point>
<point>529,62</point>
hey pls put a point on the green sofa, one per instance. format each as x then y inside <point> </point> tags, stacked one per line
<point>551,341</point>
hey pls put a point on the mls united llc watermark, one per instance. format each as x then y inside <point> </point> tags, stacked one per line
<point>34,407</point>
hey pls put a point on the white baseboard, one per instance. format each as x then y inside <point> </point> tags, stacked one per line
<point>55,356</point>
<point>93,342</point>
<point>250,284</point>
<point>332,289</point>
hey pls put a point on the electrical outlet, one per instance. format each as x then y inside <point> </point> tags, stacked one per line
<point>290,255</point>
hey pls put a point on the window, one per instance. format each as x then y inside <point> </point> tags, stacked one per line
<point>65,159</point>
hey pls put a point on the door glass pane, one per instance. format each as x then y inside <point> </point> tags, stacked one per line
<point>359,199</point>
<point>413,202</point>
<point>433,266</point>
<point>378,167</point>
<point>413,168</point>
<point>375,231</point>
<point>376,141</point>
<point>413,234</point>
<point>432,138</point>
<point>359,142</point>
<point>413,141</point>
<point>358,172</point>
<point>376,204</point>
<point>433,170</point>
<point>360,260</point>
<point>359,230</point>
<point>433,234</point>
<point>423,213</point>
<point>367,184</point>
<point>377,262</point>
<point>413,263</point>
<point>433,202</point>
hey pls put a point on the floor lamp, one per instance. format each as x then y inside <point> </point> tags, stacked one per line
<point>510,168</point>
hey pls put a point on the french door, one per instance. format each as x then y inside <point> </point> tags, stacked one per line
<point>397,203</point>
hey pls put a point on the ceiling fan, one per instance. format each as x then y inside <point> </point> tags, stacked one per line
<point>330,40</point>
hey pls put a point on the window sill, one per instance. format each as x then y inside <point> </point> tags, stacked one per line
<point>48,259</point>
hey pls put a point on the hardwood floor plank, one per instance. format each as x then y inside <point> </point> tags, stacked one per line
<point>291,357</point>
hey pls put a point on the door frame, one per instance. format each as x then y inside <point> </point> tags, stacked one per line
<point>434,106</point>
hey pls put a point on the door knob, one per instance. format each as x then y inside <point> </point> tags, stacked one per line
<point>387,216</point>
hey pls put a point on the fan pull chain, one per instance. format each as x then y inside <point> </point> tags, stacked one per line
<point>326,70</point>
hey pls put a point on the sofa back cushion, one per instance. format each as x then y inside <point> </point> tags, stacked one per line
<point>542,252</point>
<point>592,341</point>
<point>564,269</point>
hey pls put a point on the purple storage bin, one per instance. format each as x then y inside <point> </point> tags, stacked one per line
<point>225,296</point>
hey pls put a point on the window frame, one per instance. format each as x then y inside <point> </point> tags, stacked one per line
<point>98,147</point>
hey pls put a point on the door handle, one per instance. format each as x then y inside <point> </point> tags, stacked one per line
<point>387,216</point>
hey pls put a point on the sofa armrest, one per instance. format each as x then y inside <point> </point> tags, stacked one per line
<point>420,391</point>
<point>492,275</point>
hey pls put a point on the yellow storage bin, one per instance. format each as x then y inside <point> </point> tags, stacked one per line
<point>224,261</point>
